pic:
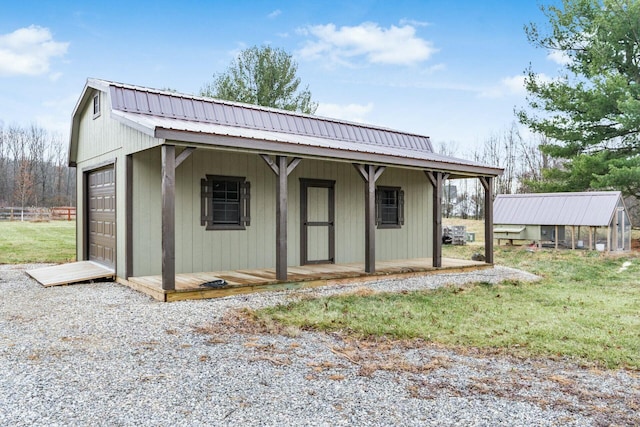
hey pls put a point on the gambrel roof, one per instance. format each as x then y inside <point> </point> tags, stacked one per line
<point>194,119</point>
<point>581,209</point>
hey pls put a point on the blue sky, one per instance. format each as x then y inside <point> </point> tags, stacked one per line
<point>450,70</point>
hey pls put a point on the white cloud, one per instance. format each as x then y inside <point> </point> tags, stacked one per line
<point>28,51</point>
<point>350,112</point>
<point>393,45</point>
<point>413,22</point>
<point>274,14</point>
<point>559,57</point>
<point>510,86</point>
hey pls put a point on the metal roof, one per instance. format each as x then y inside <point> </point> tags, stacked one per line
<point>588,208</point>
<point>157,103</point>
<point>181,130</point>
<point>193,119</point>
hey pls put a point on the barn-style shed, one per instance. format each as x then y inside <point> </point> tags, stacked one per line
<point>185,194</point>
<point>598,219</point>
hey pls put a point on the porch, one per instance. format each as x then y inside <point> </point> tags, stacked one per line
<point>193,285</point>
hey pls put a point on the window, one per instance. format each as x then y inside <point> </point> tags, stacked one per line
<point>389,207</point>
<point>96,105</point>
<point>225,203</point>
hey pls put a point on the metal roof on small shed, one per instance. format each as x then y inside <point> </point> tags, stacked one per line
<point>171,116</point>
<point>214,111</point>
<point>585,209</point>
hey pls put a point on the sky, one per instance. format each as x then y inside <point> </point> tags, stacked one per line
<point>451,70</point>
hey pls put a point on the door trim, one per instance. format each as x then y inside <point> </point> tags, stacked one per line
<point>305,183</point>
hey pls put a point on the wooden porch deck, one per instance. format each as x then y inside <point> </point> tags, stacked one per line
<point>190,285</point>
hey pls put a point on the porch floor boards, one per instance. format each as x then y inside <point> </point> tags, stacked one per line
<point>189,285</point>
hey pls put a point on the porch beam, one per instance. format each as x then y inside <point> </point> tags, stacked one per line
<point>184,155</point>
<point>168,217</point>
<point>487,183</point>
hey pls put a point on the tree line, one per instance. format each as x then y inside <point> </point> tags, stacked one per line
<point>33,168</point>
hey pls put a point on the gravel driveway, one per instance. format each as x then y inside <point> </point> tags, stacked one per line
<point>102,354</point>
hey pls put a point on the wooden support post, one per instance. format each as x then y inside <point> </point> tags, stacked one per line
<point>609,238</point>
<point>555,237</point>
<point>370,174</point>
<point>282,169</point>
<point>436,183</point>
<point>168,218</point>
<point>370,221</point>
<point>128,249</point>
<point>487,183</point>
<point>281,219</point>
<point>573,237</point>
<point>590,238</point>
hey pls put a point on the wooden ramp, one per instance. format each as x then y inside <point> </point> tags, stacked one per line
<point>65,274</point>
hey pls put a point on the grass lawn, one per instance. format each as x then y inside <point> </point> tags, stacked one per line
<point>27,242</point>
<point>586,308</point>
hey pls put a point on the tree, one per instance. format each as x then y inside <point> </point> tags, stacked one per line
<point>262,76</point>
<point>592,111</point>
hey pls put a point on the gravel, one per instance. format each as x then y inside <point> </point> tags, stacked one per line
<point>103,354</point>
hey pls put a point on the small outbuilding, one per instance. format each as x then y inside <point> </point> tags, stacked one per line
<point>597,220</point>
<point>181,195</point>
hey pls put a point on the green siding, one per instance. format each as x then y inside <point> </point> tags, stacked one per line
<point>198,249</point>
<point>101,140</point>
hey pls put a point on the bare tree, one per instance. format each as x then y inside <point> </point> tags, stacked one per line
<point>33,168</point>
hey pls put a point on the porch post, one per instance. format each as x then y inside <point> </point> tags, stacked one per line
<point>487,183</point>
<point>282,168</point>
<point>370,174</point>
<point>168,218</point>
<point>281,219</point>
<point>370,221</point>
<point>436,179</point>
<point>128,252</point>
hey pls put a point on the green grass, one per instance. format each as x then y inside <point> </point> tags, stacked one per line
<point>584,309</point>
<point>27,242</point>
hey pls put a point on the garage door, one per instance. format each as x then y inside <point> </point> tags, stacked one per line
<point>102,216</point>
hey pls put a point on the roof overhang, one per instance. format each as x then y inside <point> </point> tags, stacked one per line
<point>262,141</point>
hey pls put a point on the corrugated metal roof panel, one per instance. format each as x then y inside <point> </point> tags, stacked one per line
<point>588,209</point>
<point>172,105</point>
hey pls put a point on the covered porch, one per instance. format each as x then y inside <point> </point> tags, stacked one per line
<point>204,285</point>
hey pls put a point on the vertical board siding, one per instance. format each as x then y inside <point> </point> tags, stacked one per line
<point>198,249</point>
<point>147,208</point>
<point>101,140</point>
<point>413,239</point>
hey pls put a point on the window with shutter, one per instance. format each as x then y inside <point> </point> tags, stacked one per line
<point>389,207</point>
<point>225,203</point>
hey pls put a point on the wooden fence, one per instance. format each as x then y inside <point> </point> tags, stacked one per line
<point>64,213</point>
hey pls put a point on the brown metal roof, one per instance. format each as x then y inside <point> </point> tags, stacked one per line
<point>198,120</point>
<point>209,110</point>
<point>586,208</point>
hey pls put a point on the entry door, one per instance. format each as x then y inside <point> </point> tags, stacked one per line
<point>620,229</point>
<point>101,216</point>
<point>317,214</point>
